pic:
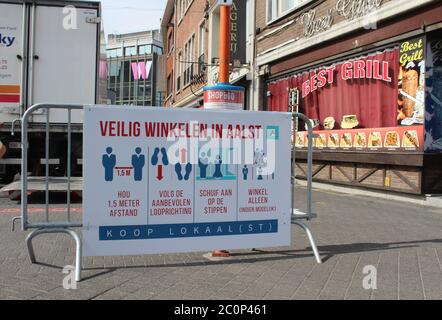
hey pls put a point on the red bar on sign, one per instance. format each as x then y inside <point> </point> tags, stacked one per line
<point>9,98</point>
<point>223,96</point>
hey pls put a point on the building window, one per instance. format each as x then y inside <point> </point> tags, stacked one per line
<point>189,54</point>
<point>157,49</point>
<point>170,42</point>
<point>182,5</point>
<point>113,53</point>
<point>130,51</point>
<point>169,84</point>
<point>201,47</point>
<point>178,71</point>
<point>145,49</point>
<point>278,8</point>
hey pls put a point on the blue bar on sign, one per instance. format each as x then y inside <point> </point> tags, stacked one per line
<point>187,230</point>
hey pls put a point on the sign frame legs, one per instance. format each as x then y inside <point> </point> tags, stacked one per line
<point>78,258</point>
<point>296,217</point>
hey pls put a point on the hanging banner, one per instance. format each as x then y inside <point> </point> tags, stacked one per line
<point>160,180</point>
<point>411,82</point>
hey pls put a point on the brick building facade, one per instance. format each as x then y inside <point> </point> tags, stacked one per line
<point>190,33</point>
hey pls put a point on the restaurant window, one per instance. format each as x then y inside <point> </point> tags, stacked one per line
<point>372,102</point>
<point>433,119</point>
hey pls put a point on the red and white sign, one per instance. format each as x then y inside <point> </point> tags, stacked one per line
<point>223,99</point>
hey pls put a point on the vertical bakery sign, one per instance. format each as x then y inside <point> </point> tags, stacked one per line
<point>238,31</point>
<point>411,82</point>
<point>10,42</point>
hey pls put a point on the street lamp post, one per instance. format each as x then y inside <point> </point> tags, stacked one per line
<point>223,95</point>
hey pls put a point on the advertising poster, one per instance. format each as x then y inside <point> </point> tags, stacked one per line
<point>158,180</point>
<point>433,125</point>
<point>411,82</point>
<point>405,139</point>
<point>10,47</point>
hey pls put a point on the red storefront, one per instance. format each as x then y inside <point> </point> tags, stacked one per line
<point>377,112</point>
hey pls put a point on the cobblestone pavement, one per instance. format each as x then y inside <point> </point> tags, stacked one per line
<point>403,241</point>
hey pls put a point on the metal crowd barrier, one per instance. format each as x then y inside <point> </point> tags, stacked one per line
<point>48,226</point>
<point>297,216</point>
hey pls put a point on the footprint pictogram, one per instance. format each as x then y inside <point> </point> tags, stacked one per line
<point>154,159</point>
<point>178,171</point>
<point>164,158</point>
<point>188,171</point>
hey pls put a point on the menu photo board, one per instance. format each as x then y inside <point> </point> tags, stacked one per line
<point>404,139</point>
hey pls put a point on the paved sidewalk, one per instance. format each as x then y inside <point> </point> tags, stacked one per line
<point>404,242</point>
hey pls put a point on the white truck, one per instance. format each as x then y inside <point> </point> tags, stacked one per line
<point>50,52</point>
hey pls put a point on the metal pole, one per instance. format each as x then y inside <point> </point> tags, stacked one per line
<point>224,42</point>
<point>47,167</point>
<point>68,196</point>
<point>311,239</point>
<point>309,162</point>
<point>78,243</point>
<point>24,170</point>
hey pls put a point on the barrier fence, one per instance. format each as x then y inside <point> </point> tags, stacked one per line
<point>67,226</point>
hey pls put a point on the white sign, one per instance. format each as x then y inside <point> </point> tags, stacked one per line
<point>160,180</point>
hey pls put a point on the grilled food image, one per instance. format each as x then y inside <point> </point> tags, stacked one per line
<point>392,139</point>
<point>320,141</point>
<point>329,123</point>
<point>346,140</point>
<point>410,83</point>
<point>375,140</point>
<point>333,141</point>
<point>349,122</point>
<point>410,139</point>
<point>360,140</point>
<point>300,139</point>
